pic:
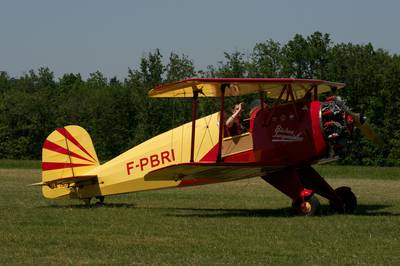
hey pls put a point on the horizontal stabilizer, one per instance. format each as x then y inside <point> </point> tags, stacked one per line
<point>69,181</point>
<point>36,184</point>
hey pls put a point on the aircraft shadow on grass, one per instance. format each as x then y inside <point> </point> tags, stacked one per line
<point>362,210</point>
<point>83,206</point>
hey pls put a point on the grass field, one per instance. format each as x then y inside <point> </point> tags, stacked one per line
<point>23,164</point>
<point>244,222</point>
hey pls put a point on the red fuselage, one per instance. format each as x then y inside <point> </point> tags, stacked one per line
<point>284,135</point>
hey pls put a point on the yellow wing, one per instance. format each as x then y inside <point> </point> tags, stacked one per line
<point>210,87</point>
<point>207,172</point>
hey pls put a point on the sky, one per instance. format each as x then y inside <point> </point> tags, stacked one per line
<point>83,36</point>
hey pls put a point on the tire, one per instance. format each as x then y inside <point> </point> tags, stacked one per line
<point>349,201</point>
<point>309,207</point>
<point>101,199</point>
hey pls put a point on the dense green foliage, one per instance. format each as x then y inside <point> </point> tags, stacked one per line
<point>118,114</point>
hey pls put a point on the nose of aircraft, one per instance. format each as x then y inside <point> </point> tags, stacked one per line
<point>338,122</point>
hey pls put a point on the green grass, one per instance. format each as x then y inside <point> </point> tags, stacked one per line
<point>20,164</point>
<point>245,222</point>
<point>359,172</point>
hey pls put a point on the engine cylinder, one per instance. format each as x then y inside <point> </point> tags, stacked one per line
<point>337,124</point>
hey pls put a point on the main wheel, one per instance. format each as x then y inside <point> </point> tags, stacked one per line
<point>307,207</point>
<point>100,202</point>
<point>348,201</point>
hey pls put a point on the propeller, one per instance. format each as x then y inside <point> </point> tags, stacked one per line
<point>360,121</point>
<point>366,130</point>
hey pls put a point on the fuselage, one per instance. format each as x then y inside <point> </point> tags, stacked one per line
<point>278,137</point>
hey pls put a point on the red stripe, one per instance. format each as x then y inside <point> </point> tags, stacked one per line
<point>68,135</point>
<point>211,155</point>
<point>55,166</point>
<point>193,182</point>
<point>54,147</point>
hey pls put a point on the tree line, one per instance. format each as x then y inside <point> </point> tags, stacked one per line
<point>118,114</point>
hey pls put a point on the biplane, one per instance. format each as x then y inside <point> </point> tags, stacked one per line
<point>289,130</point>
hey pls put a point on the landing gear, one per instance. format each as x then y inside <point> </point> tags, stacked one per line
<point>300,184</point>
<point>306,207</point>
<point>100,202</point>
<point>348,201</point>
<point>97,204</point>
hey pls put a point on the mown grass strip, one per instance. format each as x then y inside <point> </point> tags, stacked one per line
<point>19,164</point>
<point>244,222</point>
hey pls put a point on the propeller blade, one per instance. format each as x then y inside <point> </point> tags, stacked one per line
<point>361,123</point>
<point>357,118</point>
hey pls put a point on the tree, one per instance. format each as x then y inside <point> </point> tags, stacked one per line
<point>233,67</point>
<point>266,60</point>
<point>119,115</point>
<point>179,67</point>
<point>306,57</point>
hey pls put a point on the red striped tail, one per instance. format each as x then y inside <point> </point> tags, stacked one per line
<point>68,152</point>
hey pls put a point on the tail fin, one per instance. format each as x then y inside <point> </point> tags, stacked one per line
<point>67,156</point>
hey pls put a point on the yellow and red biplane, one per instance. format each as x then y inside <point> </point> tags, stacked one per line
<point>282,142</point>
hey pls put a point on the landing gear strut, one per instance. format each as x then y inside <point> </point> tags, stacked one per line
<point>288,182</point>
<point>301,184</point>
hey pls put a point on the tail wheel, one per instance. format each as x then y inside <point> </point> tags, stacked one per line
<point>307,207</point>
<point>348,201</point>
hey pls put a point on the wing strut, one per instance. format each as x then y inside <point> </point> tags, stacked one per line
<point>194,117</point>
<point>290,92</point>
<point>269,118</point>
<point>315,87</point>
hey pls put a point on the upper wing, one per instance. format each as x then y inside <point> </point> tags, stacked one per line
<point>210,87</point>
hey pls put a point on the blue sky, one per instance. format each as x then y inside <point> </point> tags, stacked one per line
<point>110,36</point>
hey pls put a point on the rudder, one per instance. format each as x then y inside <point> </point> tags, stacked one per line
<point>67,154</point>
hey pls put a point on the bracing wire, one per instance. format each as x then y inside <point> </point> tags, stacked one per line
<point>212,104</point>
